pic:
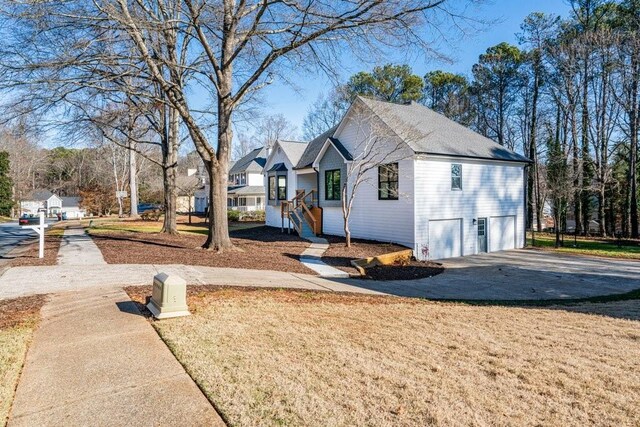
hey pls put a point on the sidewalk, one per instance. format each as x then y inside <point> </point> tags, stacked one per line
<point>22,281</point>
<point>96,361</point>
<point>77,248</point>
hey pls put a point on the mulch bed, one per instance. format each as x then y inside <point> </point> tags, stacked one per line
<point>15,311</point>
<point>261,248</point>
<point>339,256</point>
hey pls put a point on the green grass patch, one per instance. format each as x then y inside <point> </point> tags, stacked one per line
<point>587,246</point>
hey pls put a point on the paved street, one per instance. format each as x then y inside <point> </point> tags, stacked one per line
<point>11,235</point>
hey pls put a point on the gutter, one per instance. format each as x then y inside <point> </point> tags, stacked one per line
<point>525,176</point>
<point>462,156</point>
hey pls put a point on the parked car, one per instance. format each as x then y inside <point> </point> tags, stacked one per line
<point>27,219</point>
<point>144,207</point>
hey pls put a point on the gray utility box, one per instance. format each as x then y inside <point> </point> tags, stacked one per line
<point>169,297</point>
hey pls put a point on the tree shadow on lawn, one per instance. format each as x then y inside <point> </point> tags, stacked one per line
<point>265,234</point>
<point>143,241</point>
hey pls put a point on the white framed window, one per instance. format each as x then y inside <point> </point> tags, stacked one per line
<point>456,176</point>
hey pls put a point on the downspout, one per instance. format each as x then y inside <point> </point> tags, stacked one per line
<point>318,190</point>
<point>525,172</point>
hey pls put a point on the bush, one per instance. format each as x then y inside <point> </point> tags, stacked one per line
<point>233,215</point>
<point>253,216</point>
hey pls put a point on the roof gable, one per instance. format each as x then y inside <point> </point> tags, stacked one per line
<point>344,153</point>
<point>292,150</point>
<point>428,132</point>
<point>254,161</point>
<point>40,195</point>
<point>313,148</point>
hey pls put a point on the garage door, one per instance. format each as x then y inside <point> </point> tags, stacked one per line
<point>445,238</point>
<point>502,233</point>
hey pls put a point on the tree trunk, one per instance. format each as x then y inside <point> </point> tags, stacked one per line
<point>133,180</point>
<point>577,204</point>
<point>170,172</point>
<point>169,225</point>
<point>218,238</point>
<point>633,148</point>
<point>586,166</point>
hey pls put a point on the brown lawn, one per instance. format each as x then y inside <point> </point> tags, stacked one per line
<point>339,256</point>
<point>260,248</point>
<point>275,357</point>
<point>18,320</point>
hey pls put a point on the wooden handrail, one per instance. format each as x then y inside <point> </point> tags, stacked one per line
<point>306,209</point>
<point>290,208</point>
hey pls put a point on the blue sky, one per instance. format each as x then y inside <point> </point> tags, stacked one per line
<point>464,53</point>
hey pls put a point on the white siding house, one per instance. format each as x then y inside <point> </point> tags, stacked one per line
<point>424,181</point>
<point>281,179</point>
<point>246,190</point>
<point>51,204</point>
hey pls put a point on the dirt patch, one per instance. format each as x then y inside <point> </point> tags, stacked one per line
<point>260,248</point>
<point>339,256</point>
<point>266,357</point>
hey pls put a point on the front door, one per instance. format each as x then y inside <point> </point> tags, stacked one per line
<point>482,235</point>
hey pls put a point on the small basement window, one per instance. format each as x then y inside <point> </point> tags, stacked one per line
<point>332,184</point>
<point>388,182</point>
<point>456,176</point>
<point>272,188</point>
<point>282,187</point>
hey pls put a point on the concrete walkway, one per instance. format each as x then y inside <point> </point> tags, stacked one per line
<point>77,248</point>
<point>312,258</point>
<point>96,361</point>
<point>21,281</point>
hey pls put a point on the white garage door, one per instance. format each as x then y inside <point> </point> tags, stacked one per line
<point>445,238</point>
<point>502,233</point>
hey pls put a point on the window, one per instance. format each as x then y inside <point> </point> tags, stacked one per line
<point>242,201</point>
<point>258,201</point>
<point>456,176</point>
<point>332,184</point>
<point>272,188</point>
<point>282,187</point>
<point>388,182</point>
<point>243,179</point>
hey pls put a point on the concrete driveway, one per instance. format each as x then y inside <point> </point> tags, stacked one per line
<point>519,275</point>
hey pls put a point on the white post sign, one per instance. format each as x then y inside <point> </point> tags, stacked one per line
<point>40,230</point>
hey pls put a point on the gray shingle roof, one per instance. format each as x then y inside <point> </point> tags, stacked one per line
<point>313,148</point>
<point>278,167</point>
<point>252,162</point>
<point>428,132</point>
<point>341,148</point>
<point>39,195</point>
<point>247,189</point>
<point>293,150</point>
<point>69,202</point>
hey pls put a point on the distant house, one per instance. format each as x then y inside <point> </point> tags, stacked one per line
<point>246,187</point>
<point>51,204</point>
<point>441,190</point>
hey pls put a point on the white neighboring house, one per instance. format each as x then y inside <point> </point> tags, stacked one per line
<point>443,190</point>
<point>52,205</point>
<point>246,189</point>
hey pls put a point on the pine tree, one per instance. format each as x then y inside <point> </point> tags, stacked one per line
<point>6,194</point>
